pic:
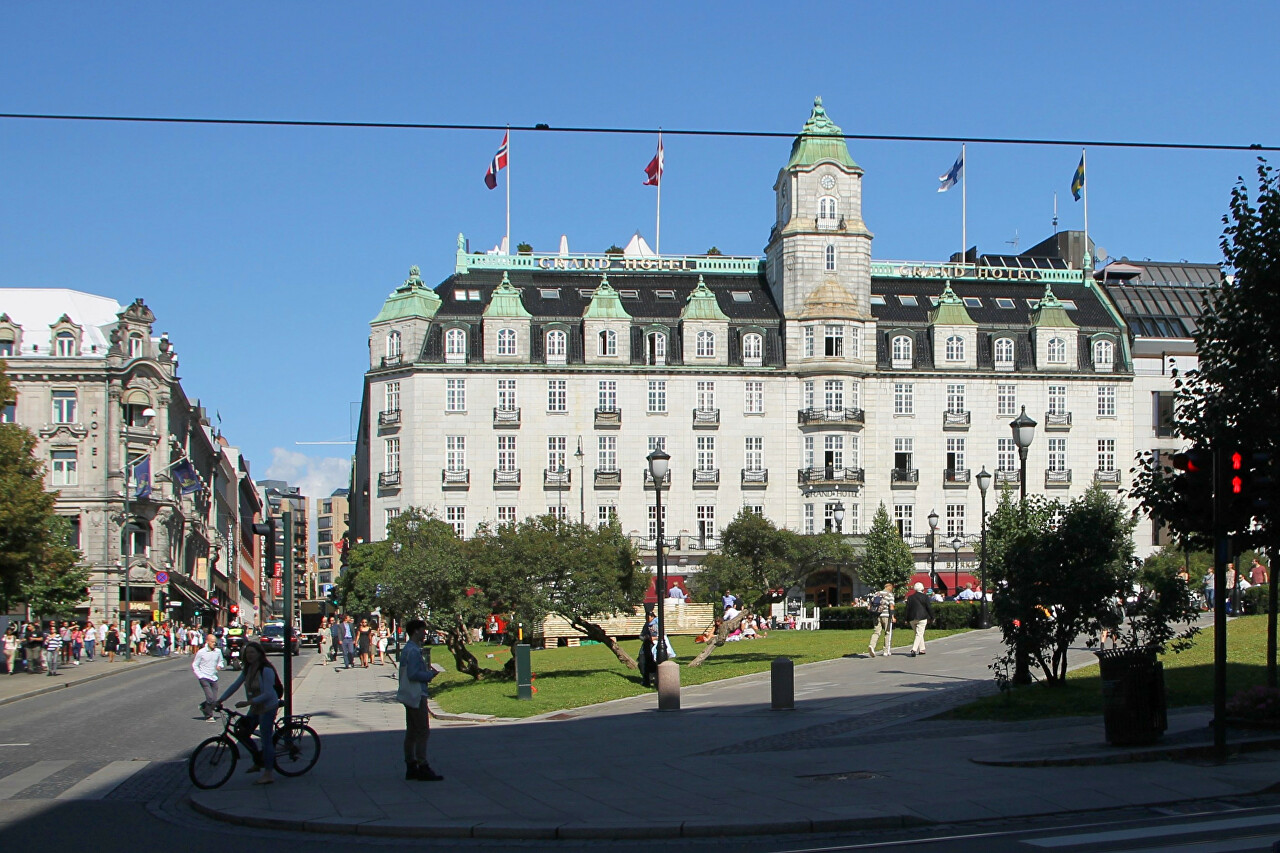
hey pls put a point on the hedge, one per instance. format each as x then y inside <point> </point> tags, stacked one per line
<point>946,614</point>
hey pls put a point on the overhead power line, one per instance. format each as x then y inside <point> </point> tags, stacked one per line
<point>758,134</point>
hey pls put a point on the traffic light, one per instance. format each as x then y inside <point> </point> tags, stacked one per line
<point>1188,505</point>
<point>1247,484</point>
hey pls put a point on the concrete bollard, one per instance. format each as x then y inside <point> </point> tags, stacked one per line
<point>782,684</point>
<point>668,686</point>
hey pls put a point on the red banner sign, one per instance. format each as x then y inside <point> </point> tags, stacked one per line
<point>278,587</point>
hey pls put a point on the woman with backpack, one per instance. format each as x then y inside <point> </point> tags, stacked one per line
<point>262,690</point>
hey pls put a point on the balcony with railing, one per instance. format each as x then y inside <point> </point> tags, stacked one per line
<point>459,478</point>
<point>706,478</point>
<point>706,418</point>
<point>755,478</point>
<point>701,543</point>
<point>506,417</point>
<point>608,478</point>
<point>831,475</point>
<point>1108,478</point>
<point>608,418</point>
<point>955,420</point>
<point>1057,479</point>
<point>506,479</point>
<point>831,417</point>
<point>392,360</point>
<point>1007,477</point>
<point>1057,421</point>
<point>389,479</point>
<point>904,478</point>
<point>391,417</point>
<point>650,543</point>
<point>648,480</point>
<point>556,480</point>
<point>955,477</point>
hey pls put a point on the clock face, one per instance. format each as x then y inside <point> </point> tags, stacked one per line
<point>827,182</point>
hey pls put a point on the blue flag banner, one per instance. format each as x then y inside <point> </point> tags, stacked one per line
<point>142,477</point>
<point>951,178</point>
<point>1077,180</point>
<point>186,479</point>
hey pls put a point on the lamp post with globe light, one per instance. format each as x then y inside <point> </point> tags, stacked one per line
<point>659,465</point>
<point>933,546</point>
<point>984,483</point>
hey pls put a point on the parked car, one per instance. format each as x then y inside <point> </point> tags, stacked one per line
<point>272,638</point>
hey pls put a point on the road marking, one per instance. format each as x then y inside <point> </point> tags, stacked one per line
<point>16,783</point>
<point>1154,831</point>
<point>103,781</point>
<point>15,744</point>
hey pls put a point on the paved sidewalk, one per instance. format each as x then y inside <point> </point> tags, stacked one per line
<point>24,685</point>
<point>857,753</point>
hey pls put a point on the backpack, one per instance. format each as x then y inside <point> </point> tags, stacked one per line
<point>279,685</point>
<point>875,603</point>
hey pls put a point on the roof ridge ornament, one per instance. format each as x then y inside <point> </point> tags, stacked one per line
<point>1049,300</point>
<point>819,123</point>
<point>949,296</point>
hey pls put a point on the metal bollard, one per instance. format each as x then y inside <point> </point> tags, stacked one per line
<point>524,672</point>
<point>782,685</point>
<point>668,686</point>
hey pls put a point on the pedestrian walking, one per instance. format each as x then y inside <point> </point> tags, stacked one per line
<point>383,636</point>
<point>412,693</point>
<point>10,648</point>
<point>323,639</point>
<point>348,637</point>
<point>52,650</point>
<point>919,612</point>
<point>90,640</point>
<point>262,689</point>
<point>206,663</point>
<point>111,644</point>
<point>882,605</point>
<point>365,643</point>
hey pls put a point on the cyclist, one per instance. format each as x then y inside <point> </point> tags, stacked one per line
<point>262,689</point>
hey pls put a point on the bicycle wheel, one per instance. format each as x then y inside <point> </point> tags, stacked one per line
<point>297,748</point>
<point>212,762</point>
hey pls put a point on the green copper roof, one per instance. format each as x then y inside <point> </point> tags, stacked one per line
<point>821,139</point>
<point>702,305</point>
<point>950,310</point>
<point>605,303</point>
<point>1051,311</point>
<point>505,301</point>
<point>411,299</point>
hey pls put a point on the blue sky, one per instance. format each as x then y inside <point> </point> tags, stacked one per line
<point>266,251</point>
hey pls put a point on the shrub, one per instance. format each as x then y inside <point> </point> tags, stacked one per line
<point>1256,599</point>
<point>947,615</point>
<point>1256,703</point>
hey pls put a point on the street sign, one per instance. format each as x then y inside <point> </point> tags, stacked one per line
<point>162,577</point>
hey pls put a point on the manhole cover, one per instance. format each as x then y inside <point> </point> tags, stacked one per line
<point>562,717</point>
<point>848,776</point>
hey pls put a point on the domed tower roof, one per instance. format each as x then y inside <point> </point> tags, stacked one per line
<point>821,139</point>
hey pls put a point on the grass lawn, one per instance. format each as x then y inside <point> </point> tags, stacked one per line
<point>572,677</point>
<point>1188,678</point>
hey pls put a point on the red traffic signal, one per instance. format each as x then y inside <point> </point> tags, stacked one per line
<point>1236,466</point>
<point>1197,460</point>
<point>235,608</point>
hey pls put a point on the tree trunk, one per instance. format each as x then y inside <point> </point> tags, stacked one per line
<point>595,632</point>
<point>456,642</point>
<point>718,639</point>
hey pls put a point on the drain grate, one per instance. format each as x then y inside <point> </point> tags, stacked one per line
<point>847,776</point>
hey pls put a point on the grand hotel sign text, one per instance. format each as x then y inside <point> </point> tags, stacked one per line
<point>611,262</point>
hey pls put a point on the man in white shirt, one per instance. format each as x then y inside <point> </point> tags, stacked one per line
<point>205,665</point>
<point>676,593</point>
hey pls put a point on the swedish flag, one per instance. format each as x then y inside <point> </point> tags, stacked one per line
<point>1077,181</point>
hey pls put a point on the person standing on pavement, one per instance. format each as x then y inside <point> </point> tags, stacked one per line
<point>90,640</point>
<point>52,649</point>
<point>10,648</point>
<point>111,644</point>
<point>205,665</point>
<point>919,612</point>
<point>412,693</point>
<point>347,632</point>
<point>882,605</point>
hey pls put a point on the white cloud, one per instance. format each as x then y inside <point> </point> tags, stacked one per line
<point>317,477</point>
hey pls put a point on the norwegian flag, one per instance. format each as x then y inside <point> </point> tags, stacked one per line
<point>499,163</point>
<point>653,172</point>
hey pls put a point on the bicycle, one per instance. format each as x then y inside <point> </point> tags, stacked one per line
<point>213,762</point>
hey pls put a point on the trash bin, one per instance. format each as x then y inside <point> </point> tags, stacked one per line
<point>1133,696</point>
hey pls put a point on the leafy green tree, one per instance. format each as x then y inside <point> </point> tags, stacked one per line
<point>57,584</point>
<point>887,559</point>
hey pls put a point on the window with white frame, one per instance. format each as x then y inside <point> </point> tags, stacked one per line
<point>831,258</point>
<point>507,453</point>
<point>955,520</point>
<point>656,348</point>
<point>63,468</point>
<point>809,461</point>
<point>753,454</point>
<point>706,453</point>
<point>557,395</point>
<point>559,512</point>
<point>607,396</point>
<point>752,349</point>
<point>9,413</point>
<point>854,398</point>
<point>557,346</point>
<point>455,395</point>
<point>955,398</point>
<point>7,345</point>
<point>506,342</point>
<point>753,397</point>
<point>853,519</point>
<point>828,210</point>
<point>135,345</point>
<point>754,509</point>
<point>455,453</point>
<point>507,395</point>
<point>606,514</point>
<point>1006,455</point>
<point>833,451</point>
<point>1106,401</point>
<point>506,515</point>
<point>1057,399</point>
<point>608,343</point>
<point>706,395</point>
<point>706,519</point>
<point>1006,401</point>
<point>653,522</point>
<point>456,517</point>
<point>556,448</point>
<point>706,345</point>
<point>955,454</point>
<point>455,346</point>
<point>64,344</point>
<point>1057,351</point>
<point>900,350</point>
<point>1057,454</point>
<point>390,514</point>
<point>1002,353</point>
<point>1104,353</point>
<point>904,516</point>
<point>391,396</point>
<point>855,342</point>
<point>833,346</point>
<point>809,345</point>
<point>391,455</point>
<point>64,407</point>
<point>904,398</point>
<point>607,453</point>
<point>853,453</point>
<point>808,393</point>
<point>1106,454</point>
<point>954,348</point>
<point>904,453</point>
<point>657,442</point>
<point>808,519</point>
<point>393,344</point>
<point>657,396</point>
<point>833,395</point>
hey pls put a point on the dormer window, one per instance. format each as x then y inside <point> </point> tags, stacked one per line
<point>831,258</point>
<point>1003,354</point>
<point>656,348</point>
<point>393,346</point>
<point>908,301</point>
<point>64,344</point>
<point>828,212</point>
<point>455,346</point>
<point>7,347</point>
<point>1057,351</point>
<point>608,344</point>
<point>135,345</point>
<point>706,345</point>
<point>1104,354</point>
<point>900,350</point>
<point>954,348</point>
<point>752,350</point>
<point>506,342</point>
<point>557,346</point>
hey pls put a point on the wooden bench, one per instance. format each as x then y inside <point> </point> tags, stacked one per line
<point>678,619</point>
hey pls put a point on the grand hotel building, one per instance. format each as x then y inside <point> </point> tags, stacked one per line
<point>813,377</point>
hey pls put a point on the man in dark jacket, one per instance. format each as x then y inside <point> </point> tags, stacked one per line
<point>919,612</point>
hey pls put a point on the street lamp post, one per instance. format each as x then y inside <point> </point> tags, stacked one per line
<point>582,483</point>
<point>659,464</point>
<point>1024,430</point>
<point>838,514</point>
<point>984,483</point>
<point>561,471</point>
<point>933,546</point>
<point>147,414</point>
<point>956,542</point>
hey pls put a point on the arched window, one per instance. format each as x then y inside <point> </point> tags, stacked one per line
<point>828,209</point>
<point>1003,352</point>
<point>455,345</point>
<point>608,343</point>
<point>753,349</point>
<point>1104,353</point>
<point>955,348</point>
<point>506,342</point>
<point>831,258</point>
<point>557,344</point>
<point>393,345</point>
<point>706,347</point>
<point>64,343</point>
<point>656,348</point>
<point>1057,351</point>
<point>901,351</point>
<point>135,345</point>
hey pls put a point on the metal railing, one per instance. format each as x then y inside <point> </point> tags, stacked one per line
<point>757,477</point>
<point>391,417</point>
<point>955,476</point>
<point>706,476</point>
<point>955,420</point>
<point>460,477</point>
<point>1057,420</point>
<point>506,417</point>
<point>706,418</point>
<point>506,478</point>
<point>608,417</point>
<point>808,417</point>
<point>1058,478</point>
<point>389,478</point>
<point>904,476</point>
<point>831,474</point>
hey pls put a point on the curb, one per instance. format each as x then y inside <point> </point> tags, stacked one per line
<point>31,694</point>
<point>1200,752</point>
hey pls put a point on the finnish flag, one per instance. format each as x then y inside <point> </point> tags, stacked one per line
<point>951,178</point>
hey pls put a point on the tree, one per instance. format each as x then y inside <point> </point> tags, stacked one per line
<point>714,250</point>
<point>57,584</point>
<point>524,249</point>
<point>887,559</point>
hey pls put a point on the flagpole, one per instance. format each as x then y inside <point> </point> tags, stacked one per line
<point>508,239</point>
<point>964,204</point>
<point>1085,166</point>
<point>657,237</point>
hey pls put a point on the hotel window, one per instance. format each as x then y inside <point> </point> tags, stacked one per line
<point>904,454</point>
<point>904,400</point>
<point>808,342</point>
<point>852,457</point>
<point>656,348</point>
<point>390,514</point>
<point>658,442</point>
<point>828,209</point>
<point>833,395</point>
<point>833,451</point>
<point>706,392</point>
<point>556,445</point>
<point>752,350</point>
<point>1057,399</point>
<point>955,520</point>
<point>955,348</point>
<point>455,395</point>
<point>393,345</point>
<point>753,455</point>
<point>1057,454</point>
<point>808,451</point>
<point>1006,401</point>
<point>657,396</point>
<point>506,515</point>
<point>835,342</point>
<point>557,395</point>
<point>1057,351</point>
<point>1106,401</point>
<point>706,518</point>
<point>808,394</point>
<point>607,453</point>
<point>455,452</point>
<point>64,407</point>
<point>1104,353</point>
<point>753,398</point>
<point>64,344</point>
<point>606,514</point>
<point>559,512</point>
<point>557,345</point>
<point>455,346</point>
<point>135,345</point>
<point>7,347</point>
<point>392,396</point>
<point>808,519</point>
<point>507,453</point>
<point>1006,455</point>
<point>831,258</point>
<point>904,517</point>
<point>901,351</point>
<point>64,468</point>
<point>1106,454</point>
<point>607,397</point>
<point>506,342</point>
<point>507,395</point>
<point>9,413</point>
<point>955,454</point>
<point>653,522</point>
<point>1003,354</point>
<point>608,343</point>
<point>456,517</point>
<point>855,342</point>
<point>853,519</point>
<point>706,452</point>
<point>955,398</point>
<point>706,346</point>
<point>391,455</point>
